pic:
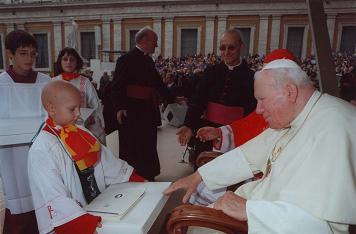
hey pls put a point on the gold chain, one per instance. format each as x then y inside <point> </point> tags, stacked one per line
<point>277,151</point>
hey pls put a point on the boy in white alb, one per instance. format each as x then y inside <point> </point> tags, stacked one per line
<point>20,90</point>
<point>68,167</point>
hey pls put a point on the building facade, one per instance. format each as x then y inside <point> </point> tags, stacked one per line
<point>104,28</point>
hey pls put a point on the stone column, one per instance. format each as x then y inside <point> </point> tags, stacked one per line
<point>168,38</point>
<point>221,30</point>
<point>117,37</point>
<point>10,27</point>
<point>330,21</point>
<point>105,45</point>
<point>209,34</point>
<point>276,23</point>
<point>157,26</point>
<point>57,35</point>
<point>262,39</point>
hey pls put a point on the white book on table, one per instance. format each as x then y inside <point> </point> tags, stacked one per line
<point>115,202</point>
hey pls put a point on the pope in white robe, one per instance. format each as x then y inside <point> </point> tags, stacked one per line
<point>309,167</point>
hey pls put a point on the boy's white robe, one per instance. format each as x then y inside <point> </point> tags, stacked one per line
<point>18,100</point>
<point>54,181</point>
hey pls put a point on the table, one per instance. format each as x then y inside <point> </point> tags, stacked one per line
<point>141,217</point>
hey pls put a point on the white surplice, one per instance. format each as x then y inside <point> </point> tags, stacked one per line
<point>54,181</point>
<point>91,100</point>
<point>314,171</point>
<point>18,100</point>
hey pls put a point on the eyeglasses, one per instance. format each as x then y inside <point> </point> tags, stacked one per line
<point>228,47</point>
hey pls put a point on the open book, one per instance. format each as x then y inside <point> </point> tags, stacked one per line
<point>115,202</point>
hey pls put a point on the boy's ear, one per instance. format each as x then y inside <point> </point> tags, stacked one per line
<point>9,54</point>
<point>50,108</point>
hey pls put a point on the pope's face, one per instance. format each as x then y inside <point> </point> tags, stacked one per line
<point>272,101</point>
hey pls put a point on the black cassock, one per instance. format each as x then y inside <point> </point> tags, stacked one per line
<point>220,85</point>
<point>135,87</point>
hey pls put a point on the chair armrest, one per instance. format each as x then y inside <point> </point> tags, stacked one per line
<point>190,215</point>
<point>205,157</point>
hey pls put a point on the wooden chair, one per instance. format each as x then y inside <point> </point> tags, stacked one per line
<point>184,216</point>
<point>206,156</point>
<point>190,215</point>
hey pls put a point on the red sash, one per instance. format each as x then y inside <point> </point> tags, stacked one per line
<point>140,92</point>
<point>221,114</point>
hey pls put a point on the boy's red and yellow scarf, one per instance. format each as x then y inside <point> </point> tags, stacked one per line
<point>81,145</point>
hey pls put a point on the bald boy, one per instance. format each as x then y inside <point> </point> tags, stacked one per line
<point>68,167</point>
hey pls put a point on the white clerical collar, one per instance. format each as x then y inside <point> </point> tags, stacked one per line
<point>140,49</point>
<point>299,120</point>
<point>232,67</point>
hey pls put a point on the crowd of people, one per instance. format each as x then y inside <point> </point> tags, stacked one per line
<point>184,68</point>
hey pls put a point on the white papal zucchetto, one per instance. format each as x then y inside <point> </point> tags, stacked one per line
<point>281,63</point>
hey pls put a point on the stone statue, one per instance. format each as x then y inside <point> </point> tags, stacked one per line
<point>73,36</point>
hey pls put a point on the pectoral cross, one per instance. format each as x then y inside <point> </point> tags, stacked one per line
<point>268,168</point>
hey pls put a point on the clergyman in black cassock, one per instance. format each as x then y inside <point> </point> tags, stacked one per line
<point>135,88</point>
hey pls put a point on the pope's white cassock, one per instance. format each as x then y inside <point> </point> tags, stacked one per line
<point>18,100</point>
<point>311,185</point>
<point>57,192</point>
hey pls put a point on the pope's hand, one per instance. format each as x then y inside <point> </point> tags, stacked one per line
<point>99,225</point>
<point>207,134</point>
<point>120,115</point>
<point>232,205</point>
<point>189,184</point>
<point>184,135</point>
